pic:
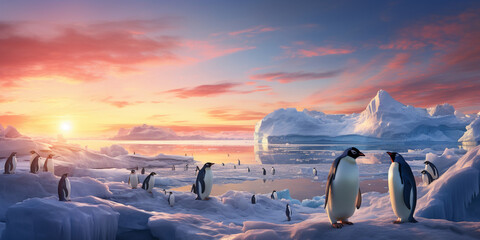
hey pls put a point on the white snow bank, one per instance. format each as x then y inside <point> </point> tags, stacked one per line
<point>456,193</point>
<point>48,218</point>
<point>473,132</point>
<point>18,187</point>
<point>446,159</point>
<point>114,150</point>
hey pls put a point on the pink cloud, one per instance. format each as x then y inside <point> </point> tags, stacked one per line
<point>212,90</point>
<point>301,49</point>
<point>205,50</point>
<point>253,30</point>
<point>288,77</point>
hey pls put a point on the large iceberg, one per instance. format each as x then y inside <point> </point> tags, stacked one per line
<point>473,132</point>
<point>383,119</point>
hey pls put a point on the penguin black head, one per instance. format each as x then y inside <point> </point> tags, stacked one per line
<point>354,153</point>
<point>274,191</point>
<point>65,175</point>
<point>396,157</point>
<point>170,193</point>
<point>153,173</point>
<point>133,171</point>
<point>208,165</point>
<point>427,162</point>
<point>392,155</point>
<point>50,155</point>
<point>423,172</point>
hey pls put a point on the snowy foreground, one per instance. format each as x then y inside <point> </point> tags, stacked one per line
<point>104,207</point>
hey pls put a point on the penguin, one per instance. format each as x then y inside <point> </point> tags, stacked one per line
<point>34,166</point>
<point>223,164</point>
<point>171,199</point>
<point>248,169</point>
<point>254,200</point>
<point>173,167</point>
<point>133,179</point>
<point>194,189</point>
<point>288,212</point>
<point>264,171</point>
<point>234,167</point>
<point>186,167</point>
<point>48,165</point>
<point>204,181</point>
<point>426,177</point>
<point>432,169</point>
<point>164,191</point>
<point>143,171</point>
<point>149,182</point>
<point>64,188</point>
<point>402,188</point>
<point>11,164</point>
<point>196,170</point>
<point>274,195</point>
<point>273,171</point>
<point>342,193</point>
<point>314,172</point>
<point>239,162</point>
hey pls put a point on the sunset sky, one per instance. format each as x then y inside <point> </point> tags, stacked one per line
<point>215,68</point>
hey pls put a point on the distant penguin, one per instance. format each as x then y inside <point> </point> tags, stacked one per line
<point>48,165</point>
<point>171,199</point>
<point>64,188</point>
<point>143,171</point>
<point>133,179</point>
<point>248,169</point>
<point>34,163</point>
<point>432,169</point>
<point>196,170</point>
<point>274,195</point>
<point>426,177</point>
<point>164,191</point>
<point>186,167</point>
<point>254,200</point>
<point>173,167</point>
<point>288,212</point>
<point>402,188</point>
<point>264,171</point>
<point>149,182</point>
<point>342,193</point>
<point>314,172</point>
<point>194,189</point>
<point>273,171</point>
<point>11,164</point>
<point>223,164</point>
<point>228,154</point>
<point>234,167</point>
<point>239,162</point>
<point>204,181</point>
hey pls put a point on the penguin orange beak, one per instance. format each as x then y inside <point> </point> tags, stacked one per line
<point>361,154</point>
<point>391,155</point>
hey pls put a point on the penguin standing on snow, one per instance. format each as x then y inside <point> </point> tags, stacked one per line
<point>133,179</point>
<point>149,182</point>
<point>254,200</point>
<point>34,159</point>
<point>64,188</point>
<point>432,169</point>
<point>11,164</point>
<point>288,212</point>
<point>273,171</point>
<point>186,167</point>
<point>274,195</point>
<point>342,194</point>
<point>48,165</point>
<point>239,162</point>
<point>234,167</point>
<point>171,199</point>
<point>223,164</point>
<point>426,177</point>
<point>314,172</point>
<point>264,171</point>
<point>204,181</point>
<point>143,171</point>
<point>402,188</point>
<point>173,167</point>
<point>248,169</point>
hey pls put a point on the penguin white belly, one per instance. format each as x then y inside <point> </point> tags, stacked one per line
<point>430,170</point>
<point>50,165</point>
<point>425,179</point>
<point>208,184</point>
<point>343,192</point>
<point>171,200</point>
<point>151,183</point>
<point>395,187</point>
<point>69,189</point>
<point>133,180</point>
<point>14,164</point>
<point>41,162</point>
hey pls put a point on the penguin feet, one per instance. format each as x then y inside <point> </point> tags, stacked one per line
<point>337,225</point>
<point>346,222</point>
<point>398,221</point>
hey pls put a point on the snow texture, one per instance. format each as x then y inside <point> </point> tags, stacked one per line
<point>473,132</point>
<point>114,151</point>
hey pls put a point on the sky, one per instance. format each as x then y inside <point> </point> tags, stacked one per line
<point>86,69</point>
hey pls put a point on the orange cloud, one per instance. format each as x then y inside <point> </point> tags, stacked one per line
<point>235,115</point>
<point>286,77</point>
<point>210,90</point>
<point>118,103</point>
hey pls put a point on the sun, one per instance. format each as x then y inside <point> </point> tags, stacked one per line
<point>65,126</point>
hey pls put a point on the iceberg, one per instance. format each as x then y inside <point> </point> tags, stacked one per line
<point>473,132</point>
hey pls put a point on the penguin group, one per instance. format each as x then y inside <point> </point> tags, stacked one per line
<point>430,173</point>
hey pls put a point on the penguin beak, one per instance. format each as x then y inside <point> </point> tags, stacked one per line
<point>391,155</point>
<point>361,154</point>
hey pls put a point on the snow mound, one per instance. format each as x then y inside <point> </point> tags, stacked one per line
<point>473,132</point>
<point>455,195</point>
<point>48,218</point>
<point>446,160</point>
<point>383,118</point>
<point>114,150</point>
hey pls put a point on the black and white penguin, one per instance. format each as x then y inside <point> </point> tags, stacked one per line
<point>288,212</point>
<point>402,188</point>
<point>143,171</point>
<point>264,171</point>
<point>248,169</point>
<point>171,199</point>
<point>239,162</point>
<point>64,188</point>
<point>432,169</point>
<point>426,177</point>
<point>149,182</point>
<point>234,167</point>
<point>186,167</point>
<point>274,195</point>
<point>48,165</point>
<point>273,171</point>
<point>34,162</point>
<point>11,164</point>
<point>173,167</point>
<point>164,191</point>
<point>314,172</point>
<point>194,189</point>
<point>133,179</point>
<point>204,181</point>
<point>254,200</point>
<point>342,193</point>
<point>223,164</point>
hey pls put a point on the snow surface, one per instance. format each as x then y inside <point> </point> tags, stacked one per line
<point>383,118</point>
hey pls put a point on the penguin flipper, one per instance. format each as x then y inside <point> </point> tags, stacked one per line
<point>128,179</point>
<point>331,177</point>
<point>359,199</point>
